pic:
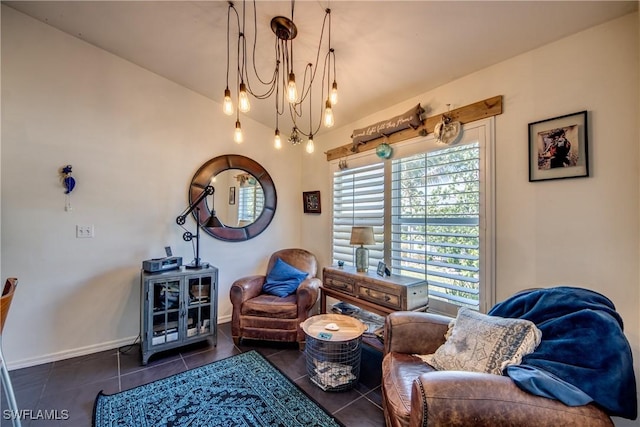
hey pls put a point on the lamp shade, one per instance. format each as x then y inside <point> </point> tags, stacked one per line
<point>362,236</point>
<point>214,222</point>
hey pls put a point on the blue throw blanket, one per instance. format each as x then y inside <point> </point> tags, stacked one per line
<point>584,355</point>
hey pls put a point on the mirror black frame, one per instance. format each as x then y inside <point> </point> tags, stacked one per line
<point>211,168</point>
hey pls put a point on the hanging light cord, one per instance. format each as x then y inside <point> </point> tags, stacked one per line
<point>283,50</point>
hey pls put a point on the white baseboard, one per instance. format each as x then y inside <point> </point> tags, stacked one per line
<point>68,354</point>
<point>82,351</point>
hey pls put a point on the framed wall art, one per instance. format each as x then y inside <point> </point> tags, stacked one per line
<point>311,201</point>
<point>558,148</point>
<point>232,195</point>
<point>381,268</point>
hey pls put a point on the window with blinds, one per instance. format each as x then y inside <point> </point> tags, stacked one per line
<point>432,209</point>
<point>435,217</point>
<point>358,199</point>
<point>250,203</point>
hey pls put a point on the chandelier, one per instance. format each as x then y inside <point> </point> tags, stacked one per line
<point>281,78</point>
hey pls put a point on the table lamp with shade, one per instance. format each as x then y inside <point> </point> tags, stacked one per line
<point>362,236</point>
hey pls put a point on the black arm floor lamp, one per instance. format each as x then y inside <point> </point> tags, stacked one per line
<point>213,221</point>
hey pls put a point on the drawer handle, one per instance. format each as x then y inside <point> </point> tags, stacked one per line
<point>386,297</point>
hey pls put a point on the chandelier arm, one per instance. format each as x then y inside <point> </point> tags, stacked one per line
<point>228,36</point>
<point>242,61</point>
<point>306,89</point>
<point>280,97</point>
<point>242,42</point>
<point>293,6</point>
<point>333,54</point>
<point>240,65</point>
<point>273,84</point>
<point>255,41</point>
<point>299,104</point>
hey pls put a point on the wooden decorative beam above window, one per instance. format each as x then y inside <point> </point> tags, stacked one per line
<point>469,113</point>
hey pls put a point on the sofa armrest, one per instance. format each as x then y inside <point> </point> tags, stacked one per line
<point>414,332</point>
<point>455,398</point>
<point>307,294</point>
<point>246,288</point>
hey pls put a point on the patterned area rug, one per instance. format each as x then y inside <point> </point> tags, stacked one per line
<point>242,390</point>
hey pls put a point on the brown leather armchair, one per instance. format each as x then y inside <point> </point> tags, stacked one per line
<point>261,316</point>
<point>414,394</point>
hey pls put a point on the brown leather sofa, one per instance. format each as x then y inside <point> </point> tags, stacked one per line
<point>414,394</point>
<point>267,317</point>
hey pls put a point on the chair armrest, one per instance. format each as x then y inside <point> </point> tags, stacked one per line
<point>455,398</point>
<point>307,294</point>
<point>414,332</point>
<point>246,288</point>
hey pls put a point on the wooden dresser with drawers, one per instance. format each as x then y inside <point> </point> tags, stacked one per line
<point>369,291</point>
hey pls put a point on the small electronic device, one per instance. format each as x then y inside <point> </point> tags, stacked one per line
<point>162,264</point>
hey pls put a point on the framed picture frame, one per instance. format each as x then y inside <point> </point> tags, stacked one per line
<point>382,267</point>
<point>559,147</point>
<point>232,195</point>
<point>311,202</point>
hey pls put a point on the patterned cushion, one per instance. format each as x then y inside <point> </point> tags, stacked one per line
<point>482,343</point>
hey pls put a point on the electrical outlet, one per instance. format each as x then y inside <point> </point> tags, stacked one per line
<point>84,231</point>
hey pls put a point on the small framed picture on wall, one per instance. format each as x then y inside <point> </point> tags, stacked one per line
<point>311,202</point>
<point>558,148</point>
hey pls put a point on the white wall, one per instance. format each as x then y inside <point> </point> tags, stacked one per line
<point>134,140</point>
<point>580,232</point>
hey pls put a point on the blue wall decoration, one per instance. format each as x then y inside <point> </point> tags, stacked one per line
<point>69,184</point>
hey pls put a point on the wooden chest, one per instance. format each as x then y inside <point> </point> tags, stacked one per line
<point>394,292</point>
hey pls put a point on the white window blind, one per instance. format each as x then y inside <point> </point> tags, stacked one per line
<point>435,217</point>
<point>358,199</point>
<point>250,203</point>
<point>432,209</point>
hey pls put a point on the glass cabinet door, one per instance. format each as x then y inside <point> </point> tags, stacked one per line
<point>199,306</point>
<point>166,311</point>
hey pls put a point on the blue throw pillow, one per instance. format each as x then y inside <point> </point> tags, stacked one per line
<point>283,279</point>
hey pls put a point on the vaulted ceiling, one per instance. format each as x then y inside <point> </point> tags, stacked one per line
<point>387,51</point>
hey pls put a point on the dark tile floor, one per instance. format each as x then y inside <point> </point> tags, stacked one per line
<point>70,386</point>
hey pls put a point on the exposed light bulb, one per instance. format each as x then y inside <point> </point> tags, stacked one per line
<point>328,114</point>
<point>243,99</point>
<point>276,140</point>
<point>292,90</point>
<point>310,147</point>
<point>237,135</point>
<point>227,105</point>
<point>334,93</point>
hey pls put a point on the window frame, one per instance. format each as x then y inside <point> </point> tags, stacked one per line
<point>484,131</point>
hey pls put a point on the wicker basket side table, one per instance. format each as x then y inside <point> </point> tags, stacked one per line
<point>333,350</point>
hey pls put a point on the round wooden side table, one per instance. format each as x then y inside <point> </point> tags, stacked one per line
<point>332,350</point>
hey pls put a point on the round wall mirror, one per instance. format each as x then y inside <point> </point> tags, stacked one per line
<point>244,199</point>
